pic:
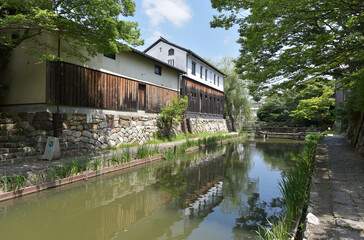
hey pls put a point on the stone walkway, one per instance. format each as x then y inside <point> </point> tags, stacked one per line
<point>336,209</point>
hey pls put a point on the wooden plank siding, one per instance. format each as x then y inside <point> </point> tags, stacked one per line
<point>203,99</point>
<point>79,86</point>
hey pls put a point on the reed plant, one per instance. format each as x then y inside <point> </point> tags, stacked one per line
<point>168,154</point>
<point>114,160</point>
<point>127,155</point>
<point>96,164</point>
<point>6,183</point>
<point>142,152</point>
<point>294,189</point>
<point>19,182</point>
<point>277,231</point>
<point>75,167</point>
<point>153,151</point>
<point>51,174</point>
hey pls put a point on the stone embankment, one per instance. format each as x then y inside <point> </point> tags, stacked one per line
<point>336,208</point>
<point>23,135</point>
<point>41,168</point>
<point>208,125</point>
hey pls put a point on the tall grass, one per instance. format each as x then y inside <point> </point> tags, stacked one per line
<point>12,183</point>
<point>294,189</point>
<point>142,152</point>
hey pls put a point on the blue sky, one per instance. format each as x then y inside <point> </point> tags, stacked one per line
<point>185,23</point>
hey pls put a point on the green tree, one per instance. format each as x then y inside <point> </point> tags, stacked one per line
<point>278,107</point>
<point>286,107</point>
<point>317,108</point>
<point>171,114</point>
<point>286,42</point>
<point>92,25</point>
<point>236,98</point>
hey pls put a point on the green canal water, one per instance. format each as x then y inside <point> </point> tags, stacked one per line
<point>219,193</point>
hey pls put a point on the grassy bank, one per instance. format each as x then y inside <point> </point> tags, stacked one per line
<point>83,165</point>
<point>295,193</point>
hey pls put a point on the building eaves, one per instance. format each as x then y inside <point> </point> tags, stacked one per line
<point>161,39</point>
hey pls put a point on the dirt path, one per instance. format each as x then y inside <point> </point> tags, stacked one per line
<point>336,209</point>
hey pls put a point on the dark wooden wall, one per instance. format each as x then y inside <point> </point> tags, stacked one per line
<point>203,99</point>
<point>83,87</point>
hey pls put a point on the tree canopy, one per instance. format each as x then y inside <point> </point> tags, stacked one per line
<point>236,98</point>
<point>309,104</point>
<point>286,42</point>
<point>92,25</point>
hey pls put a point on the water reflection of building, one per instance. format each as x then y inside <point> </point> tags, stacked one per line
<point>202,193</point>
<point>167,223</point>
<point>202,177</point>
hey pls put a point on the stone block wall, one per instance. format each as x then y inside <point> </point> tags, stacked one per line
<point>88,132</point>
<point>98,131</point>
<point>208,125</point>
<point>26,129</point>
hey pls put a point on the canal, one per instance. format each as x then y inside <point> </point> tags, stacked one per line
<point>219,193</point>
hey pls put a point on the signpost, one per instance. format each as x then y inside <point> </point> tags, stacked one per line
<point>52,150</point>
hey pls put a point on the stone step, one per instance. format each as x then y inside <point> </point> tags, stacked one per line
<point>10,155</point>
<point>19,149</point>
<point>7,127</point>
<point>13,144</point>
<point>22,160</point>
<point>16,138</point>
<point>5,120</point>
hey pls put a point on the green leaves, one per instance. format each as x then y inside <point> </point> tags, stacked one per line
<point>92,25</point>
<point>311,103</point>
<point>285,41</point>
<point>172,114</point>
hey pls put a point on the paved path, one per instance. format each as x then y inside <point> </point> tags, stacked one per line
<point>336,209</point>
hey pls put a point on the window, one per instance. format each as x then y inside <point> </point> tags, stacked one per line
<point>193,68</point>
<point>201,70</point>
<point>171,62</point>
<point>218,80</point>
<point>158,70</point>
<point>214,79</point>
<point>206,74</point>
<point>112,56</point>
<point>193,95</point>
<point>171,52</point>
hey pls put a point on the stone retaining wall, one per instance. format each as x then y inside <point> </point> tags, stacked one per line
<point>98,131</point>
<point>208,125</point>
<point>86,132</point>
<point>26,129</point>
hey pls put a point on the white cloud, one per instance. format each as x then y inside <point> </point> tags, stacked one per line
<point>155,36</point>
<point>178,12</point>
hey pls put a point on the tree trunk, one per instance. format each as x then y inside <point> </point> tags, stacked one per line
<point>231,117</point>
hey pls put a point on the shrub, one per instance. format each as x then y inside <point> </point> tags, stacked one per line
<point>172,114</point>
